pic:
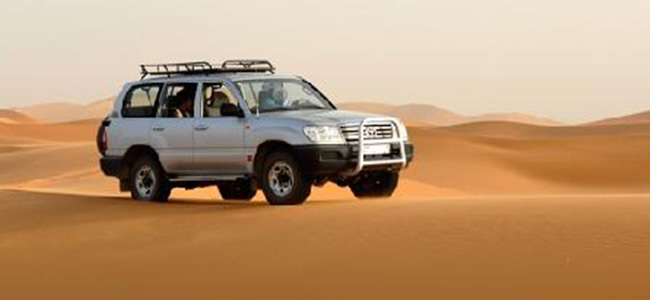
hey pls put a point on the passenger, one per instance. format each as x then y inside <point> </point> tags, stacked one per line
<point>213,103</point>
<point>185,106</point>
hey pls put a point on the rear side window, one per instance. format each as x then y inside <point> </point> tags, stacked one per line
<point>179,100</point>
<point>141,101</point>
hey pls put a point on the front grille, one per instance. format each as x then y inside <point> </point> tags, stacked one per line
<point>374,131</point>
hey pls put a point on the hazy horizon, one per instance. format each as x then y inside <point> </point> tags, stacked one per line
<point>572,60</point>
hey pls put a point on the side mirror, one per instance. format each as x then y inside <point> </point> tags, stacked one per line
<point>231,110</point>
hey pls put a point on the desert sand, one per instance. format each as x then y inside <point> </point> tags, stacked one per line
<point>489,210</point>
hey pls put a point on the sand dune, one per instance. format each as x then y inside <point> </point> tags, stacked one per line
<point>79,131</point>
<point>643,117</point>
<point>81,247</point>
<point>429,115</point>
<point>513,117</point>
<point>526,131</point>
<point>467,222</point>
<point>8,116</point>
<point>46,160</point>
<point>413,114</point>
<point>67,112</point>
<point>553,160</point>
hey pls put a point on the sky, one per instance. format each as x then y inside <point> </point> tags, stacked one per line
<point>570,60</point>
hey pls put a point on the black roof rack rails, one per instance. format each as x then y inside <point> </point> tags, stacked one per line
<point>202,67</point>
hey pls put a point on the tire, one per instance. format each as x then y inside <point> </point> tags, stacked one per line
<point>378,184</point>
<point>283,181</point>
<point>148,181</point>
<point>237,190</point>
<point>99,139</point>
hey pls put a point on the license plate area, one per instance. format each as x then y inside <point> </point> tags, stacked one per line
<point>378,149</point>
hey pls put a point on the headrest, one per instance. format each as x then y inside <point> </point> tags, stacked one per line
<point>220,96</point>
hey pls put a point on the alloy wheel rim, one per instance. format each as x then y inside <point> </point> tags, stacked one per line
<point>145,181</point>
<point>281,179</point>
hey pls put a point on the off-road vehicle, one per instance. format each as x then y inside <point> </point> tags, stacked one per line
<point>241,127</point>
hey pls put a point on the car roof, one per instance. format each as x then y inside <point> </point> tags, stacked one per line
<point>233,77</point>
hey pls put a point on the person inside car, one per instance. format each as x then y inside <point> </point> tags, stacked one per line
<point>185,105</point>
<point>273,95</point>
<point>214,103</point>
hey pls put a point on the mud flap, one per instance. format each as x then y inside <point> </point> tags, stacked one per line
<point>124,185</point>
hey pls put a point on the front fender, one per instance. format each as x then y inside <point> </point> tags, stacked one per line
<point>287,134</point>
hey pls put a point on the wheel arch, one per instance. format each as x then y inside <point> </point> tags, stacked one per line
<point>132,154</point>
<point>267,147</point>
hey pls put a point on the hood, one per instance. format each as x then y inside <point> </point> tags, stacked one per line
<point>322,117</point>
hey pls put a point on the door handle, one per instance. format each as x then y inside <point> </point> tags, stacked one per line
<point>201,127</point>
<point>158,128</point>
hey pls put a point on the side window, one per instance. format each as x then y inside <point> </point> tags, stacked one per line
<point>214,96</point>
<point>141,101</point>
<point>179,101</point>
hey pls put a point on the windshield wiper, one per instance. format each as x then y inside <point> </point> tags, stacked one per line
<point>311,107</point>
<point>287,108</point>
<point>276,109</point>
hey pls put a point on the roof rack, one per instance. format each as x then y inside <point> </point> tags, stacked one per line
<point>202,67</point>
<point>248,64</point>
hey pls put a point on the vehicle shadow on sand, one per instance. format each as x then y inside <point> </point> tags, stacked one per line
<point>173,202</point>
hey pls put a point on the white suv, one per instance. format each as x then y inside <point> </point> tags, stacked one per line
<point>241,127</point>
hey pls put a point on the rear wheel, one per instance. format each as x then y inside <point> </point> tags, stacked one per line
<point>375,184</point>
<point>148,181</point>
<point>237,190</point>
<point>282,180</point>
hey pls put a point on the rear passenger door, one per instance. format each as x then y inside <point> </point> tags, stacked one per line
<point>218,140</point>
<point>171,133</point>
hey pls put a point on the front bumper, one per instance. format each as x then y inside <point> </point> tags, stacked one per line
<point>336,159</point>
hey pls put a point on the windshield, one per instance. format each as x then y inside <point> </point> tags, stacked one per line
<point>281,94</point>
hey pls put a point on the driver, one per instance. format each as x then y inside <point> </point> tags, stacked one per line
<point>273,95</point>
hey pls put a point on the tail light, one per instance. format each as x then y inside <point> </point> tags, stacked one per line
<point>102,137</point>
<point>104,146</point>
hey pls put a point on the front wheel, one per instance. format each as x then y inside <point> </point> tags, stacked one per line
<point>148,181</point>
<point>375,184</point>
<point>282,180</point>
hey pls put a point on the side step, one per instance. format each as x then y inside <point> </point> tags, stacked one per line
<point>206,178</point>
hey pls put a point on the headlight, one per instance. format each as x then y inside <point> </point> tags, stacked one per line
<point>402,131</point>
<point>323,134</point>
